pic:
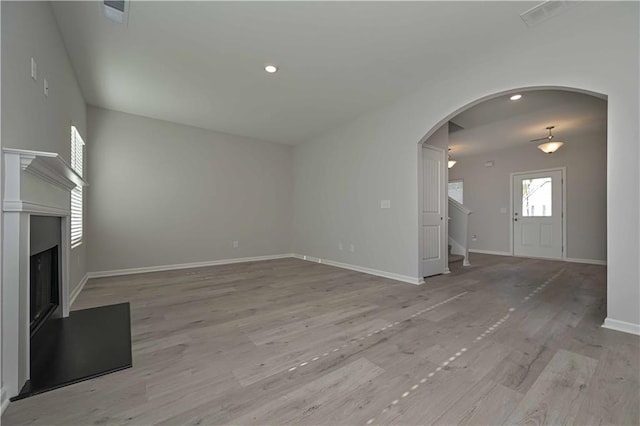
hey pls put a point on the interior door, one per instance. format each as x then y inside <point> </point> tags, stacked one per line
<point>433,211</point>
<point>537,214</point>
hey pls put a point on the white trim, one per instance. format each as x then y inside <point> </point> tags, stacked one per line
<point>589,261</point>
<point>563,172</point>
<point>464,209</point>
<point>365,270</point>
<point>496,253</point>
<point>48,166</point>
<point>569,259</point>
<point>31,207</point>
<point>160,268</point>
<point>4,400</point>
<point>76,291</point>
<point>625,327</point>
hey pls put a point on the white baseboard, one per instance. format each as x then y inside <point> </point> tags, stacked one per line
<point>160,268</point>
<point>625,327</point>
<point>4,400</point>
<point>370,271</point>
<point>496,253</point>
<point>76,291</point>
<point>569,259</point>
<point>589,261</point>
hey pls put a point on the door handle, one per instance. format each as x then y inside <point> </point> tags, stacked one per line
<point>515,220</point>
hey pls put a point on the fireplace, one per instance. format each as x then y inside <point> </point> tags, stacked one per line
<point>35,263</point>
<point>45,291</point>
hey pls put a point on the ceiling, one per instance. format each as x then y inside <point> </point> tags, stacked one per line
<point>501,123</point>
<point>201,63</point>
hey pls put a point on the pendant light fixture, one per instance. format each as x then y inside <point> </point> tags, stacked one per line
<point>451,162</point>
<point>550,146</point>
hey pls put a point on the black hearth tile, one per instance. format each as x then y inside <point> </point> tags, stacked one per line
<point>87,344</point>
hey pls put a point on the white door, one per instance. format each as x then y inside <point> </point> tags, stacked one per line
<point>433,211</point>
<point>537,214</point>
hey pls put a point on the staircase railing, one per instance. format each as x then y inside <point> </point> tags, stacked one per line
<point>459,229</point>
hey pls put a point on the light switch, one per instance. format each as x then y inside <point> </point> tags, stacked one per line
<point>46,87</point>
<point>385,204</point>
<point>34,69</point>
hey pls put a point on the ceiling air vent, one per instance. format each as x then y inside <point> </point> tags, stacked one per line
<point>116,10</point>
<point>544,11</point>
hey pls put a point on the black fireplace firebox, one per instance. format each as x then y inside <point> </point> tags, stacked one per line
<point>45,290</point>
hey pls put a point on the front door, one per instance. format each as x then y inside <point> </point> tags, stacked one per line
<point>537,214</point>
<point>433,211</point>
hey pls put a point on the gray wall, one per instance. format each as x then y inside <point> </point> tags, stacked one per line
<point>341,176</point>
<point>167,194</point>
<point>29,119</point>
<point>487,189</point>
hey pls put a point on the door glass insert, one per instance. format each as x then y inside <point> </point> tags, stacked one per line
<point>536,197</point>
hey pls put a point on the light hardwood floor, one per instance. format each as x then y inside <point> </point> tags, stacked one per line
<point>506,341</point>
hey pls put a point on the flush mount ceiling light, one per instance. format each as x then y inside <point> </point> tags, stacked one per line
<point>271,69</point>
<point>516,97</point>
<point>550,146</point>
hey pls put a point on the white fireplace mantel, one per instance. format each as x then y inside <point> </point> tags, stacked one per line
<point>48,167</point>
<point>35,183</point>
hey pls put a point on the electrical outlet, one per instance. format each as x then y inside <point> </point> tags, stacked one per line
<point>352,248</point>
<point>474,237</point>
<point>235,244</point>
<point>385,204</point>
<point>340,247</point>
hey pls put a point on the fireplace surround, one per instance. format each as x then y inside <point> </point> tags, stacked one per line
<point>36,185</point>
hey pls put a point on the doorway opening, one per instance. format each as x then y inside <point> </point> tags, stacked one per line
<point>523,200</point>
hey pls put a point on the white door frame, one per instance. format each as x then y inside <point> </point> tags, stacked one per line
<point>563,171</point>
<point>444,243</point>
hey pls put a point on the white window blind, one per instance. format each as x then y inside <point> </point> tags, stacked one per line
<point>77,148</point>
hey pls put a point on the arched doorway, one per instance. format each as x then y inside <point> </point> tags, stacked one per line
<point>497,221</point>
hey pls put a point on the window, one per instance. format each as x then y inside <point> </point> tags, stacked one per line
<point>536,197</point>
<point>77,148</point>
<point>455,190</point>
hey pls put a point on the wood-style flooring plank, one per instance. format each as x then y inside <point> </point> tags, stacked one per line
<point>556,396</point>
<point>218,345</point>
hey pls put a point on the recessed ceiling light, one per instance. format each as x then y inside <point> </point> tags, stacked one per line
<point>516,97</point>
<point>270,68</point>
